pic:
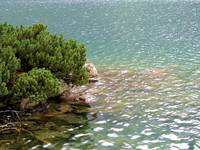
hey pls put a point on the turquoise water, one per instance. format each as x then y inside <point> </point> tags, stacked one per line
<point>148,56</point>
<point>126,33</point>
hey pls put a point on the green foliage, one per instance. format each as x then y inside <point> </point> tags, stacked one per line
<point>81,77</point>
<point>8,66</point>
<point>4,78</point>
<point>37,85</point>
<point>37,47</point>
<point>24,48</point>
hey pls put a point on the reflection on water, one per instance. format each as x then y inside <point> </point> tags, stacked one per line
<point>147,109</point>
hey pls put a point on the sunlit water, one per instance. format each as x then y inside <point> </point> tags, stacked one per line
<point>148,57</point>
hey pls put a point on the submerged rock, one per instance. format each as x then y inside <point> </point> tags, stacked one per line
<point>156,72</point>
<point>27,104</point>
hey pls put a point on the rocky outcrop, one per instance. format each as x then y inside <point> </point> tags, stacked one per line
<point>92,71</point>
<point>70,97</point>
<point>67,95</point>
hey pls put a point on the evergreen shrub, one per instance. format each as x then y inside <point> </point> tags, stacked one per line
<point>24,48</point>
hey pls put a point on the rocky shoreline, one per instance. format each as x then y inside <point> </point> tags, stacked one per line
<point>67,96</point>
<point>70,100</point>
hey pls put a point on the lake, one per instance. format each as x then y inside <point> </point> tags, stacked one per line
<point>148,56</point>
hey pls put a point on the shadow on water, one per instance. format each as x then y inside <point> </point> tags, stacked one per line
<point>42,131</point>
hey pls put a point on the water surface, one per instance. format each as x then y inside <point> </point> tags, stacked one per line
<point>148,56</point>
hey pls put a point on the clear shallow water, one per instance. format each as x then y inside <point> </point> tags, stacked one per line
<point>148,54</point>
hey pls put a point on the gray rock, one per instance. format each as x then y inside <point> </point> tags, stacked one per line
<point>70,97</point>
<point>91,70</point>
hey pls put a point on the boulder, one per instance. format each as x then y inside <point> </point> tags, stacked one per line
<point>70,97</point>
<point>91,70</point>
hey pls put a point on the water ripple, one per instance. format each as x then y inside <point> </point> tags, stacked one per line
<point>147,54</point>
